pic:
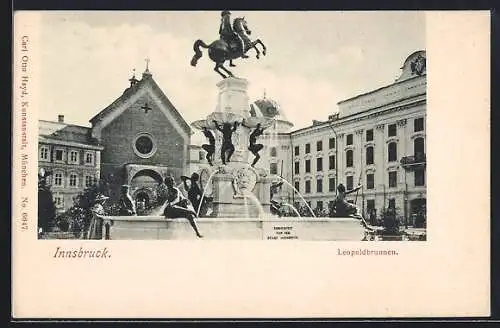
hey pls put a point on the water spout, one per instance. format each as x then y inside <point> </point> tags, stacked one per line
<point>293,208</point>
<point>298,193</point>
<point>203,195</point>
<point>257,203</point>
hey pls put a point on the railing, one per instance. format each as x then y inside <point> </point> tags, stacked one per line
<point>418,159</point>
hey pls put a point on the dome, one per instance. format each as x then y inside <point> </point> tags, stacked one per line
<point>270,108</point>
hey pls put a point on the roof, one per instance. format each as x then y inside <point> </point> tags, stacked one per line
<point>66,132</point>
<point>398,81</point>
<point>129,92</point>
<point>266,107</point>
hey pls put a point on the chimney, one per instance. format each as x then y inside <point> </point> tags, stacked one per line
<point>60,118</point>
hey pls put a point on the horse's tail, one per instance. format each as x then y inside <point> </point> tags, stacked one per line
<point>197,51</point>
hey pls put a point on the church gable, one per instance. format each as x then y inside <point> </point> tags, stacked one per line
<point>146,87</point>
<point>143,134</point>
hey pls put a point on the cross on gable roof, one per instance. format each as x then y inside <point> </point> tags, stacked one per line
<point>145,85</point>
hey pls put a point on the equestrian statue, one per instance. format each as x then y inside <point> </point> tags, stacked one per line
<point>233,43</point>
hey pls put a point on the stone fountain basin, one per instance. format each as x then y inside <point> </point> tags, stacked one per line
<point>271,228</point>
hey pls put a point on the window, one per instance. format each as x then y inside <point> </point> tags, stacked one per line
<point>392,130</point>
<point>297,151</point>
<point>369,135</point>
<point>319,205</point>
<point>88,180</point>
<point>331,162</point>
<point>392,203</point>
<point>369,155</point>
<point>370,181</point>
<point>393,179</point>
<point>349,139</point>
<point>308,148</point>
<point>319,164</point>
<point>331,143</point>
<point>59,155</point>
<point>370,204</point>
<point>308,203</point>
<point>297,166</point>
<point>274,152</point>
<point>392,149</point>
<point>331,205</point>
<point>319,145</point>
<point>419,177</point>
<point>319,185</point>
<point>308,165</point>
<point>72,180</point>
<point>89,158</point>
<point>144,145</point>
<point>44,153</point>
<point>418,147</point>
<point>331,184</point>
<point>418,124</point>
<point>348,158</point>
<point>59,201</point>
<point>273,168</point>
<point>349,182</point>
<point>308,186</point>
<point>200,156</point>
<point>297,186</point>
<point>58,179</point>
<point>73,157</point>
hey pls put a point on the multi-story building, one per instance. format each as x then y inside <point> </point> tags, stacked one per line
<point>377,139</point>
<point>71,155</point>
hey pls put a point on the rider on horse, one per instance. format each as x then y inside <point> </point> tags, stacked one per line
<point>227,33</point>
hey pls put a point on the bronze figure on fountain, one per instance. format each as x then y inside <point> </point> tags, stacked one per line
<point>210,147</point>
<point>233,43</point>
<point>227,148</point>
<point>254,147</point>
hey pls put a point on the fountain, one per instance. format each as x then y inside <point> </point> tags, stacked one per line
<point>240,193</point>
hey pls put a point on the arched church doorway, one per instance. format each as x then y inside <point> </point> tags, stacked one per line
<point>144,186</point>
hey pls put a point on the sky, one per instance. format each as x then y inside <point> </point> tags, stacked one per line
<point>314,59</point>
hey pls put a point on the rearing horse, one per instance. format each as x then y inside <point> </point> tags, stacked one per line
<point>219,51</point>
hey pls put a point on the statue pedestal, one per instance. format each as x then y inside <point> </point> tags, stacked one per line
<point>232,105</point>
<point>241,191</point>
<point>237,189</point>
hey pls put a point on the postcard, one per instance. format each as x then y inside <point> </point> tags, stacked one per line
<point>231,164</point>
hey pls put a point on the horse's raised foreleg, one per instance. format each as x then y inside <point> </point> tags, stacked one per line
<point>263,46</point>
<point>252,45</point>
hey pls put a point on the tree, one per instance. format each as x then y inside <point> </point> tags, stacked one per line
<point>390,220</point>
<point>46,206</point>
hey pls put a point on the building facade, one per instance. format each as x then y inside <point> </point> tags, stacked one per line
<point>376,139</point>
<point>72,157</point>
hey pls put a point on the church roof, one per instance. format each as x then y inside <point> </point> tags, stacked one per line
<point>146,80</point>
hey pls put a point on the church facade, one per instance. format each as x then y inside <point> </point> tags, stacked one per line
<point>139,139</point>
